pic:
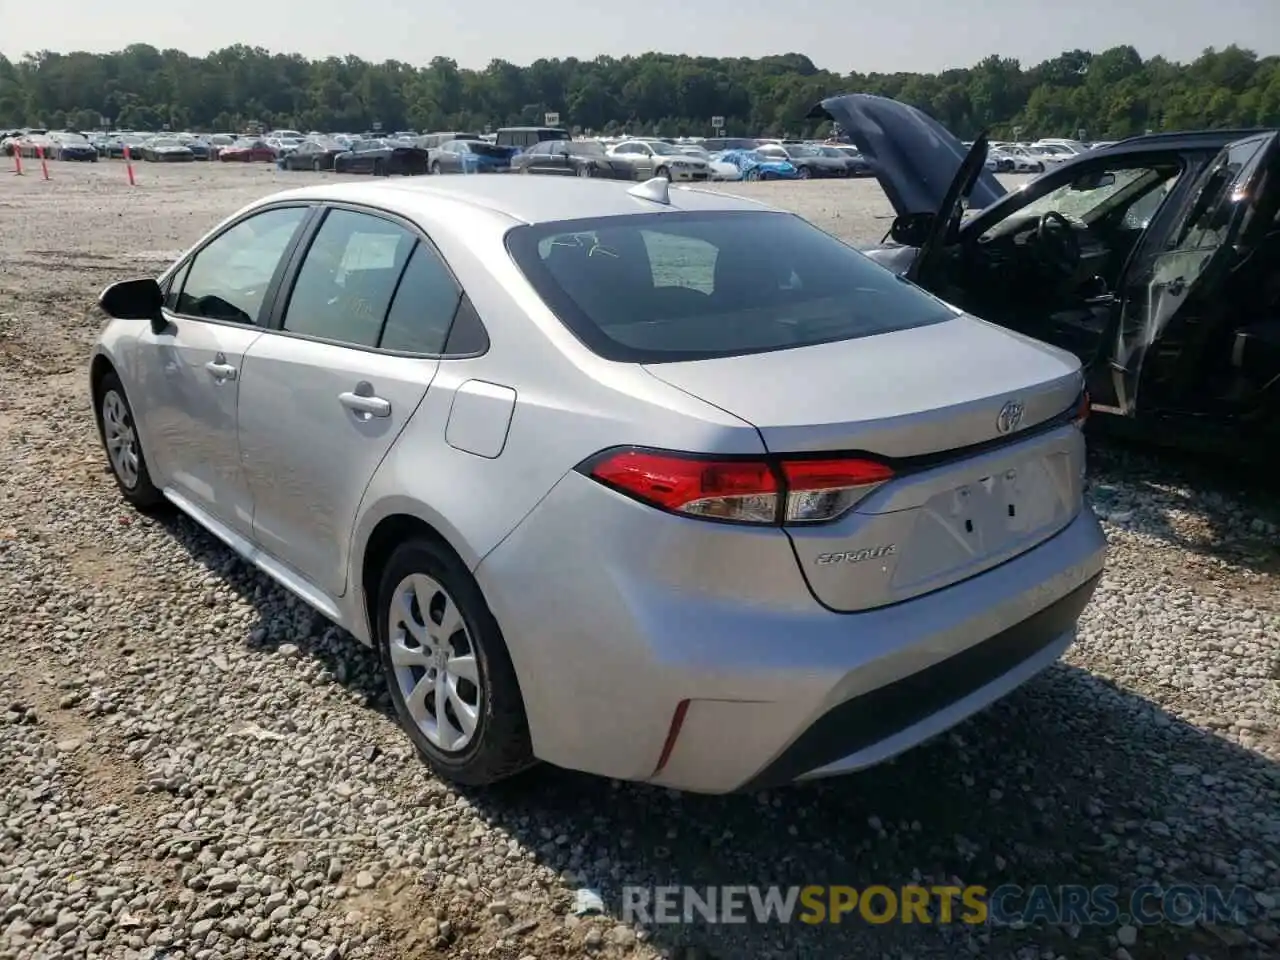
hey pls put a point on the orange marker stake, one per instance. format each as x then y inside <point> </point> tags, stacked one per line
<point>128,166</point>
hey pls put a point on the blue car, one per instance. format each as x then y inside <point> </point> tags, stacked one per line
<point>756,166</point>
<point>472,156</point>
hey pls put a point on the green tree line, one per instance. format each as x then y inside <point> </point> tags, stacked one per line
<point>1109,95</point>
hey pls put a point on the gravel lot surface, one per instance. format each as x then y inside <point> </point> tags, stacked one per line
<point>193,765</point>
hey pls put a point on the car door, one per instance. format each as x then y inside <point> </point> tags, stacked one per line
<point>1172,307</point>
<point>645,160</point>
<point>558,160</point>
<point>537,159</point>
<point>324,397</point>
<point>188,372</point>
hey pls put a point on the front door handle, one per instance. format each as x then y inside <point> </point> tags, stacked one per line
<point>220,370</point>
<point>365,405</point>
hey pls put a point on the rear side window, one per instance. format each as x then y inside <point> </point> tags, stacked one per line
<point>425,304</point>
<point>649,288</point>
<point>348,278</point>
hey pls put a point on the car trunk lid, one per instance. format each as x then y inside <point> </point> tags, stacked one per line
<point>915,158</point>
<point>975,421</point>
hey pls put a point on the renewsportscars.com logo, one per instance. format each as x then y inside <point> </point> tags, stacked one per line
<point>1007,905</point>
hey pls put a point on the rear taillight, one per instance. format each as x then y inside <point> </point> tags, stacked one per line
<point>1082,409</point>
<point>740,490</point>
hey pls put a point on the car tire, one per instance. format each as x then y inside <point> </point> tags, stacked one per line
<point>752,175</point>
<point>435,167</point>
<point>586,170</point>
<point>119,434</point>
<point>662,172</point>
<point>480,682</point>
<point>804,173</point>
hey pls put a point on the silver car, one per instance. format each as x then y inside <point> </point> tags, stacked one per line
<point>645,481</point>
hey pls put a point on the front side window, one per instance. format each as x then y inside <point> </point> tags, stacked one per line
<point>228,279</point>
<point>347,280</point>
<point>649,288</point>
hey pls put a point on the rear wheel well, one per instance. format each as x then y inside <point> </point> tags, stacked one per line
<point>389,533</point>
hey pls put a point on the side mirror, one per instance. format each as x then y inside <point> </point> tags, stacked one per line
<point>139,299</point>
<point>912,229</point>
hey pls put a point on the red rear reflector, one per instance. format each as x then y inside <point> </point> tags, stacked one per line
<point>1082,408</point>
<point>673,733</point>
<point>742,491</point>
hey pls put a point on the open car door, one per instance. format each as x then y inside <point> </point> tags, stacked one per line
<point>1173,307</point>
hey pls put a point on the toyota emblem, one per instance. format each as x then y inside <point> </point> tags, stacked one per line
<point>1010,417</point>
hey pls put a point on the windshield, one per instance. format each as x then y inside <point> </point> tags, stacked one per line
<point>70,138</point>
<point>165,143</point>
<point>1071,200</point>
<point>649,288</point>
<point>801,150</point>
<point>662,149</point>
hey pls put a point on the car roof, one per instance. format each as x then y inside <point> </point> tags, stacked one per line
<point>521,199</point>
<point>1182,140</point>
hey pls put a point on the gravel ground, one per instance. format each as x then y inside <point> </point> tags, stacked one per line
<point>193,765</point>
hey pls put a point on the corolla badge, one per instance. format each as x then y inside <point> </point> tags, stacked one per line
<point>1010,417</point>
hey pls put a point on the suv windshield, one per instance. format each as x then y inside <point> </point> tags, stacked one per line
<point>649,288</point>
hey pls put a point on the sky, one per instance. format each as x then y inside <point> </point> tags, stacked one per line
<point>839,35</point>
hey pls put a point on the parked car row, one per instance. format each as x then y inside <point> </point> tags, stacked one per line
<point>52,145</point>
<point>548,151</point>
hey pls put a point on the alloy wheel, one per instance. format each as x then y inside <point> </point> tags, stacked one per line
<point>121,438</point>
<point>434,662</point>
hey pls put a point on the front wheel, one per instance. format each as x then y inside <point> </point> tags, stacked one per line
<point>435,167</point>
<point>447,668</point>
<point>119,433</point>
<point>753,175</point>
<point>662,172</point>
<point>803,173</point>
<point>587,170</point>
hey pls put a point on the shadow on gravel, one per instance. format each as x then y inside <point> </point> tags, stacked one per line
<point>1227,511</point>
<point>1071,780</point>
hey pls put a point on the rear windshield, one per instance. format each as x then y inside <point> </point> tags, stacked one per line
<point>650,288</point>
<point>484,148</point>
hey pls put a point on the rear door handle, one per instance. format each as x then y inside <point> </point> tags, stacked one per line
<point>365,405</point>
<point>221,370</point>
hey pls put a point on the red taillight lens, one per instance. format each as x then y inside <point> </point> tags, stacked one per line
<point>1082,409</point>
<point>742,491</point>
<point>746,491</point>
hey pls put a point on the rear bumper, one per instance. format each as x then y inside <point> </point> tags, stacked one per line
<point>615,614</point>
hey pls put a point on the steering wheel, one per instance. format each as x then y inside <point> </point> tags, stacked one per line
<point>1057,243</point>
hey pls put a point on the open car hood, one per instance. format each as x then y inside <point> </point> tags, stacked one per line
<point>915,158</point>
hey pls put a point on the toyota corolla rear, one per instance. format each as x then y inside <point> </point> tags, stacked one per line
<point>897,539</point>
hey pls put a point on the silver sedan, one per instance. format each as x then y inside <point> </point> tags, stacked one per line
<point>640,480</point>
